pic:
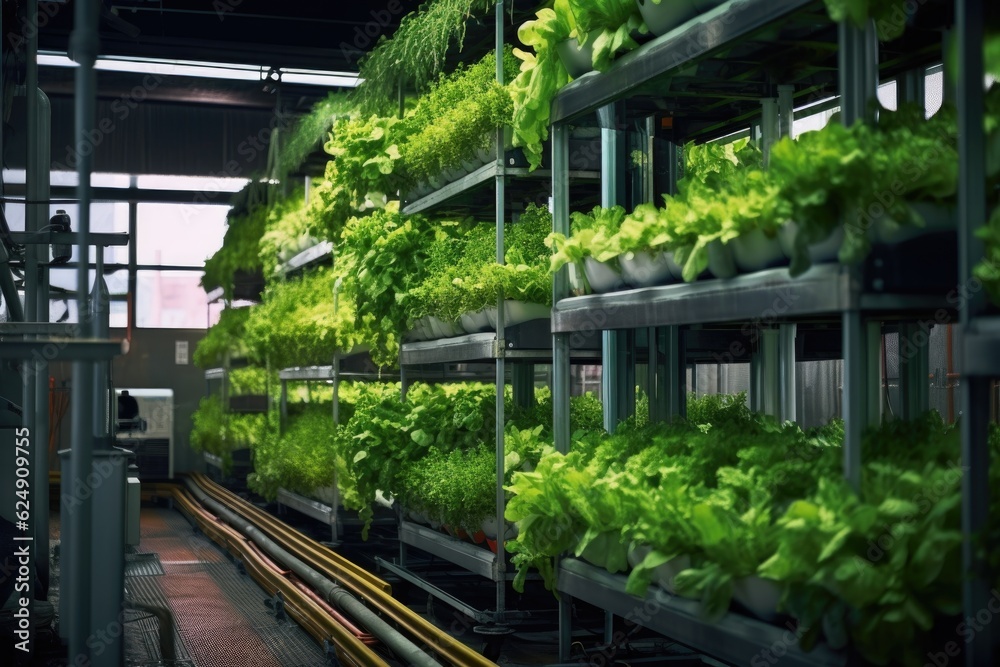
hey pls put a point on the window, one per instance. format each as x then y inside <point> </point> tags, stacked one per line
<point>179,234</point>
<point>171,300</point>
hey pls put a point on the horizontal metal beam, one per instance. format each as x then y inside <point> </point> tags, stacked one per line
<point>69,238</point>
<point>37,329</point>
<point>467,556</point>
<point>138,195</point>
<point>62,349</point>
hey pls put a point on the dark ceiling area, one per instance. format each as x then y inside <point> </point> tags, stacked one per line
<point>313,34</point>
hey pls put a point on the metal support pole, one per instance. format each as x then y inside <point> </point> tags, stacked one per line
<point>914,370</point>
<point>565,627</point>
<point>133,259</point>
<point>523,379</point>
<point>787,375</point>
<point>858,69</point>
<point>560,290</point>
<point>769,127</point>
<point>41,431</point>
<point>786,110</point>
<point>855,399</point>
<point>982,649</point>
<point>82,624</point>
<point>766,363</point>
<point>911,87</point>
<point>673,371</point>
<point>501,216</point>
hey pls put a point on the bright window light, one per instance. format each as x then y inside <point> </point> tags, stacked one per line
<point>194,68</point>
<point>207,184</point>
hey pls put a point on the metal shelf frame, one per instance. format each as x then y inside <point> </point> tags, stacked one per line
<point>735,638</point>
<point>649,83</point>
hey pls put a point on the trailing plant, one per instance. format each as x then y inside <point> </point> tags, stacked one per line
<point>416,53</point>
<point>218,432</point>
<point>310,131</point>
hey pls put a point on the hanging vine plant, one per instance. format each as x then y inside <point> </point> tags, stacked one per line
<point>415,54</point>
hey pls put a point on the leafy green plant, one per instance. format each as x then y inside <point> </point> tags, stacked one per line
<point>385,254</point>
<point>890,16</point>
<point>541,76</point>
<point>224,340</point>
<point>988,270</point>
<point>456,118</point>
<point>310,131</point>
<point>297,324</point>
<point>239,251</point>
<point>609,24</point>
<point>361,176</point>
<point>415,54</point>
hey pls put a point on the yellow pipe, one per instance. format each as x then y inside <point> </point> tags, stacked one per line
<point>316,555</point>
<point>298,605</point>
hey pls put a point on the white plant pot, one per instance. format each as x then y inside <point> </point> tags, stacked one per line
<point>721,262</point>
<point>489,528</point>
<point>648,269</point>
<point>476,322</point>
<point>663,575</point>
<point>824,251</point>
<point>664,17</point>
<point>577,280</point>
<point>519,312</point>
<point>757,251</point>
<point>758,596</point>
<point>326,494</point>
<point>936,217</point>
<point>442,329</point>
<point>602,278</point>
<point>421,330</point>
<point>486,155</point>
<point>471,164</point>
<point>578,60</point>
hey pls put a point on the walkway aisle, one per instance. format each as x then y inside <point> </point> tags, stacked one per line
<point>220,616</point>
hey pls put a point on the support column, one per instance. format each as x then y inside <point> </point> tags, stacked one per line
<point>787,375</point>
<point>560,290</point>
<point>914,370</point>
<point>858,69</point>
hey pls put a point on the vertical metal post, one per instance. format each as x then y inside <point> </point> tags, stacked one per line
<point>981,649</point>
<point>914,370</point>
<point>674,370</point>
<point>501,566</point>
<point>40,434</point>
<point>133,259</point>
<point>858,69</point>
<point>32,252</point>
<point>786,110</point>
<point>84,48</point>
<point>614,343</point>
<point>769,127</point>
<point>788,378</point>
<point>522,376</point>
<point>565,627</point>
<point>855,399</point>
<point>560,290</point>
<point>911,87</point>
<point>767,379</point>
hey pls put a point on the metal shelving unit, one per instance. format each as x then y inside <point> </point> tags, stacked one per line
<point>708,77</point>
<point>734,638</point>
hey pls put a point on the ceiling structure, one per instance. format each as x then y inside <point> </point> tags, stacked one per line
<point>322,35</point>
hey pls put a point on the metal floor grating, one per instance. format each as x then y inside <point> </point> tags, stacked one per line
<point>219,614</point>
<point>143,565</point>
